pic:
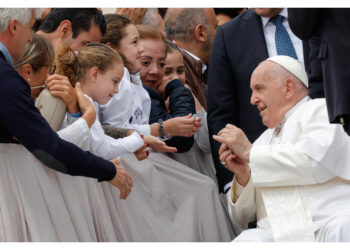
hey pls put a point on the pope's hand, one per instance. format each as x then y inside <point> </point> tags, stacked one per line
<point>235,164</point>
<point>236,140</point>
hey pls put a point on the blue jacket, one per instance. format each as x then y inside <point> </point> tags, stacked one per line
<point>181,104</point>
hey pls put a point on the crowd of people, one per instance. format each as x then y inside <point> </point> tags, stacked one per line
<point>194,124</point>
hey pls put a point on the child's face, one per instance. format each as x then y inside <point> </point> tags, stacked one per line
<point>106,84</point>
<point>130,47</point>
<point>152,62</point>
<point>174,67</point>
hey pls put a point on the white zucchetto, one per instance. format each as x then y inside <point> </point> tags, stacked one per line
<point>293,66</point>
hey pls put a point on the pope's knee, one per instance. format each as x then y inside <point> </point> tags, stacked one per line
<point>338,229</point>
<point>254,235</point>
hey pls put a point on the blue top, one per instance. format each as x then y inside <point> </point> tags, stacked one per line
<point>6,53</point>
<point>181,103</point>
<point>21,119</point>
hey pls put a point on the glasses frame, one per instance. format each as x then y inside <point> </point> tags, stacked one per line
<point>52,68</point>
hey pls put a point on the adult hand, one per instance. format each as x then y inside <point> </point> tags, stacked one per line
<point>61,87</point>
<point>122,180</point>
<point>180,126</point>
<point>236,165</point>
<point>158,145</point>
<point>134,14</point>
<point>141,153</point>
<point>236,140</point>
<point>85,105</point>
<point>197,124</point>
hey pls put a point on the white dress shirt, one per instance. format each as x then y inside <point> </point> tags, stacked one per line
<point>269,32</point>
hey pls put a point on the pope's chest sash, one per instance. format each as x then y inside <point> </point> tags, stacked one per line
<point>287,213</point>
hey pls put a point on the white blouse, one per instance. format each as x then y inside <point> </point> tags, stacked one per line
<point>106,146</point>
<point>130,107</point>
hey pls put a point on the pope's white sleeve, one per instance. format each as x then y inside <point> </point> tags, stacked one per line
<point>241,204</point>
<point>285,165</point>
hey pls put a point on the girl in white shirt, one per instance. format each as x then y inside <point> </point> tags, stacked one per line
<point>99,70</point>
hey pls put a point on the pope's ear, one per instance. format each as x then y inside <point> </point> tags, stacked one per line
<point>290,88</point>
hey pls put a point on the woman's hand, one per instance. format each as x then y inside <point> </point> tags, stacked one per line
<point>86,107</point>
<point>61,87</point>
<point>180,126</point>
<point>197,123</point>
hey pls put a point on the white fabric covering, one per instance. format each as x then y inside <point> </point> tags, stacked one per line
<point>40,204</point>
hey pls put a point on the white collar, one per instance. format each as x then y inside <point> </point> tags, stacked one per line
<point>294,108</point>
<point>204,66</point>
<point>265,20</point>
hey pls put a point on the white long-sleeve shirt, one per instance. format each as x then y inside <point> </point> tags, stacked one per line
<point>130,107</point>
<point>106,146</point>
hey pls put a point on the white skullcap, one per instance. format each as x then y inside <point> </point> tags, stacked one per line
<point>293,66</point>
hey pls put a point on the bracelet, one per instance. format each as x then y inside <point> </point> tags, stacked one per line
<point>79,114</point>
<point>161,128</point>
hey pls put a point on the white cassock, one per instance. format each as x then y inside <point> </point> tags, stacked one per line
<point>299,188</point>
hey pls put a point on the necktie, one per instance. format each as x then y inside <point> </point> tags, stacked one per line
<point>284,45</point>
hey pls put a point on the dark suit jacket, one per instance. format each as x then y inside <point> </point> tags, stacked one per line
<point>238,48</point>
<point>334,53</point>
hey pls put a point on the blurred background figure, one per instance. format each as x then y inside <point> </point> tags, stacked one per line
<point>332,27</point>
<point>153,19</point>
<point>224,15</point>
<point>135,15</point>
